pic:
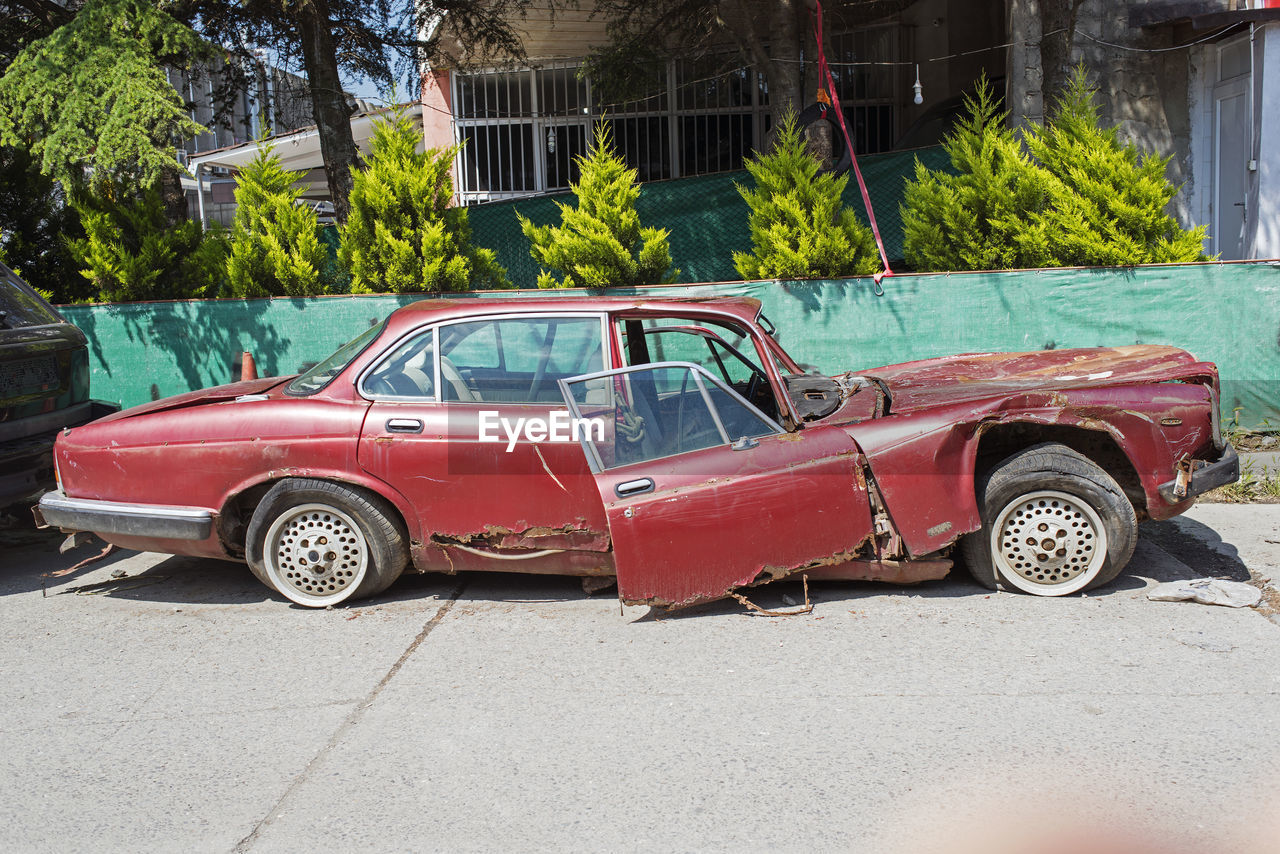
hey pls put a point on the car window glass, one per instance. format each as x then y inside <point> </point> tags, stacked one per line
<point>322,374</point>
<point>661,412</point>
<point>739,420</point>
<point>674,344</point>
<point>725,349</point>
<point>518,359</point>
<point>473,345</point>
<point>20,305</point>
<point>664,343</point>
<point>409,370</point>
<point>732,367</point>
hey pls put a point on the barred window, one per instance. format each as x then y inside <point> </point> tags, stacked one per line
<point>522,131</point>
<point>868,92</point>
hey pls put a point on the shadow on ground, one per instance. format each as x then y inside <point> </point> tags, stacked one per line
<point>1198,546</point>
<point>32,556</point>
<point>178,580</point>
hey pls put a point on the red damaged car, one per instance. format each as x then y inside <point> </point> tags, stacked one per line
<point>671,444</point>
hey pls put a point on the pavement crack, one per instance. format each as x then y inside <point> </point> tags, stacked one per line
<point>349,722</point>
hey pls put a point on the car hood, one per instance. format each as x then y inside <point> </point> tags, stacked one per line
<point>956,379</point>
<point>217,394</point>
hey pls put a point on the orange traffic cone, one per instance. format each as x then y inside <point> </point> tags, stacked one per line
<point>248,368</point>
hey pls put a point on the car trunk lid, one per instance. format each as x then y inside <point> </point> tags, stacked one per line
<point>42,368</point>
<point>216,394</point>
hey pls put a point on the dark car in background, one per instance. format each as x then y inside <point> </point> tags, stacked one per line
<point>44,387</point>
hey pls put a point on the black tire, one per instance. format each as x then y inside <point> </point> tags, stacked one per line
<point>841,162</point>
<point>1066,493</point>
<point>332,543</point>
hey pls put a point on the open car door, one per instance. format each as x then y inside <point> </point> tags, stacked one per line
<point>703,492</point>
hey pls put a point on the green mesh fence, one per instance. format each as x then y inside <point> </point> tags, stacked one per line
<point>705,215</point>
<point>1228,313</point>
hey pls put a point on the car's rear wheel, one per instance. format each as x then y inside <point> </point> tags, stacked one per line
<point>319,543</point>
<point>1053,523</point>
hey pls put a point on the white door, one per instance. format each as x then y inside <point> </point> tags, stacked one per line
<point>1230,161</point>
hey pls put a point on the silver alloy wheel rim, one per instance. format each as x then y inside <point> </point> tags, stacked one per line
<point>316,555</point>
<point>1048,543</point>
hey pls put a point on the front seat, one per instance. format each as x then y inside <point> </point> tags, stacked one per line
<point>461,391</point>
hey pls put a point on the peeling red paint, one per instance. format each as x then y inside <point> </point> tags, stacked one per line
<point>538,537</point>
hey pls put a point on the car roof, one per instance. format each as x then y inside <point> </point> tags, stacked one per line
<point>430,310</point>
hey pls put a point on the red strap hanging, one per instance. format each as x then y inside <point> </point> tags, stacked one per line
<point>824,76</point>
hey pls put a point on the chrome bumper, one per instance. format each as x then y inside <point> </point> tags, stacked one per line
<point>115,517</point>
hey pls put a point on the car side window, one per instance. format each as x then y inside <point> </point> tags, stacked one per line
<point>662,411</point>
<point>725,350</point>
<point>474,346</point>
<point>517,359</point>
<point>408,371</point>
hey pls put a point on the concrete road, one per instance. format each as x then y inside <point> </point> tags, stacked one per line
<point>180,707</point>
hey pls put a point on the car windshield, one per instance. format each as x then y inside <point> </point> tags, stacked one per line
<point>322,374</point>
<point>21,306</point>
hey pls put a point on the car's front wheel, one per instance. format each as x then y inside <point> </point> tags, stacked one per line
<point>1053,523</point>
<point>319,543</point>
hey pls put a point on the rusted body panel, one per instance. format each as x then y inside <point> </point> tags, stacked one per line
<point>538,496</point>
<point>888,571</point>
<point>728,519</point>
<point>878,489</point>
<point>923,453</point>
<point>446,558</point>
<point>917,462</point>
<point>203,452</point>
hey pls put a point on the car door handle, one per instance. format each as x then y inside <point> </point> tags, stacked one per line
<point>634,487</point>
<point>404,425</point>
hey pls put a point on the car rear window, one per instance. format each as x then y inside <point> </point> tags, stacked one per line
<point>21,306</point>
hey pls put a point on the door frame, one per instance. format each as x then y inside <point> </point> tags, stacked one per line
<point>1236,87</point>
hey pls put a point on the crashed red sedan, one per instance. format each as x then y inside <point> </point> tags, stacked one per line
<point>671,444</point>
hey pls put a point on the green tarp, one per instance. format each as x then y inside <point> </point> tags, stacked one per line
<point>1227,313</point>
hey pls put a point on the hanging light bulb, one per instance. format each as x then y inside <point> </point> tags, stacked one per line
<point>919,98</point>
<point>551,140</point>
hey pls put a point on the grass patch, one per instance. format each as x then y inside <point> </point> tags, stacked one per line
<point>1253,487</point>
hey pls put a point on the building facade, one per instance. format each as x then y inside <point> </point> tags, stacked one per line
<point>520,127</point>
<point>1183,79</point>
<point>269,101</point>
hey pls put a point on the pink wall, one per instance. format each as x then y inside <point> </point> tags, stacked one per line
<point>437,115</point>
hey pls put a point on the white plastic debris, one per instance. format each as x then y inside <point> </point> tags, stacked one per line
<point>1207,591</point>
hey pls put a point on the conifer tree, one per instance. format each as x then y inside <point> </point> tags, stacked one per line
<point>601,243</point>
<point>93,97</point>
<point>130,252</point>
<point>800,228</point>
<point>402,235</point>
<point>977,217</point>
<point>275,244</point>
<point>1063,195</point>
<point>1108,199</point>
